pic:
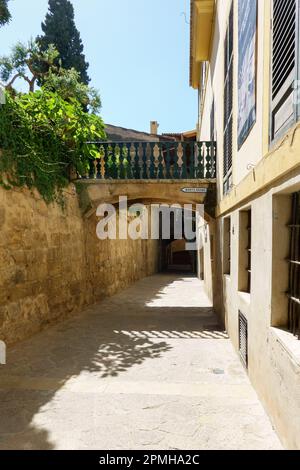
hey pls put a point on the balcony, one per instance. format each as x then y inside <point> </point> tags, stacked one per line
<point>152,161</point>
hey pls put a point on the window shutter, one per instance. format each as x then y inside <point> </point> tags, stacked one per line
<point>228,104</point>
<point>284,64</point>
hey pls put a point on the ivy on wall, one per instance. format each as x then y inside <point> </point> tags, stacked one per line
<point>43,137</point>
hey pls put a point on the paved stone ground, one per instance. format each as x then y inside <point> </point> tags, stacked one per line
<point>146,369</point>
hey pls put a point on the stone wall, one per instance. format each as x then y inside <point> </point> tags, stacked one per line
<point>52,264</point>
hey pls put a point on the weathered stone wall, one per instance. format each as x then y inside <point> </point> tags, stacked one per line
<point>52,264</point>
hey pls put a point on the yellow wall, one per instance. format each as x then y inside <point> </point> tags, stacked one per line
<point>53,265</point>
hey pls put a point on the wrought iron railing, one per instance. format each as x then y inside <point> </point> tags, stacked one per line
<point>152,160</point>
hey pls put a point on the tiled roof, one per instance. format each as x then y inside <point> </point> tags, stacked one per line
<point>122,134</point>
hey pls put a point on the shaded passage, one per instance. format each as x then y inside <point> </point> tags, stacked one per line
<point>148,368</point>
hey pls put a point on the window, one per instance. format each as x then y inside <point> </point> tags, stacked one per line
<point>228,104</point>
<point>245,244</point>
<point>294,268</point>
<point>285,66</point>
<point>227,246</point>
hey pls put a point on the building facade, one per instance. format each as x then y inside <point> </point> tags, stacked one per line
<point>245,62</point>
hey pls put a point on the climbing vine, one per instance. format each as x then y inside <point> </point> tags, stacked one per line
<point>43,137</point>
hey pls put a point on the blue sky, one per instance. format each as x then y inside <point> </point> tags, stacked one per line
<point>138,52</point>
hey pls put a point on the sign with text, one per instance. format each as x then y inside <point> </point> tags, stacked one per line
<point>246,68</point>
<point>194,190</point>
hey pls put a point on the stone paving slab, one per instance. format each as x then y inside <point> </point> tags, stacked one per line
<point>146,369</point>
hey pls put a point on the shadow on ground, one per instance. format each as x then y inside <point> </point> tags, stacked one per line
<point>107,340</point>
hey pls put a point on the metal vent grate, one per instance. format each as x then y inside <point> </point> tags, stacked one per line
<point>243,338</point>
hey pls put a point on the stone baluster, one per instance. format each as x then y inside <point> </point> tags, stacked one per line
<point>122,172</point>
<point>184,161</point>
<point>137,170</point>
<point>145,168</point>
<point>106,164</point>
<point>152,162</point>
<point>208,172</point>
<point>168,160</point>
<point>160,163</point>
<point>129,163</point>
<point>200,169</point>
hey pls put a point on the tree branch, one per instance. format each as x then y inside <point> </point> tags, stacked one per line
<point>10,84</point>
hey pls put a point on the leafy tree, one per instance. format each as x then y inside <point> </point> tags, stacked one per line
<point>60,30</point>
<point>29,63</point>
<point>4,12</point>
<point>25,62</point>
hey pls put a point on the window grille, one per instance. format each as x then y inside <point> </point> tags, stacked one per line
<point>294,269</point>
<point>249,266</point>
<point>243,339</point>
<point>227,246</point>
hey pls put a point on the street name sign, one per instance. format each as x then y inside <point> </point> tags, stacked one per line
<point>194,190</point>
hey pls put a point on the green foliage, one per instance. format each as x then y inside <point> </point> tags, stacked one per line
<point>60,30</point>
<point>31,64</point>
<point>4,12</point>
<point>67,83</point>
<point>26,62</point>
<point>42,137</point>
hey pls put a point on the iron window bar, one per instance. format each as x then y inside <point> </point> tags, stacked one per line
<point>294,299</point>
<point>249,250</point>
<point>294,270</point>
<point>229,246</point>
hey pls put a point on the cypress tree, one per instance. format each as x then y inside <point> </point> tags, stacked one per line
<point>60,30</point>
<point>4,12</point>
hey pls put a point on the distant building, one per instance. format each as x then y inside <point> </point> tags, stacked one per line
<point>122,134</point>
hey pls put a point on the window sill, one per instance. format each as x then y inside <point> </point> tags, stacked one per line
<point>290,343</point>
<point>245,296</point>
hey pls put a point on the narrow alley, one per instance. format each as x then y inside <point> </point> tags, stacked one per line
<point>146,369</point>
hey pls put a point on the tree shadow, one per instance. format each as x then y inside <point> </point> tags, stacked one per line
<point>97,344</point>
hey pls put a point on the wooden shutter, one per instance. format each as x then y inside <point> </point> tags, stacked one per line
<point>285,45</point>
